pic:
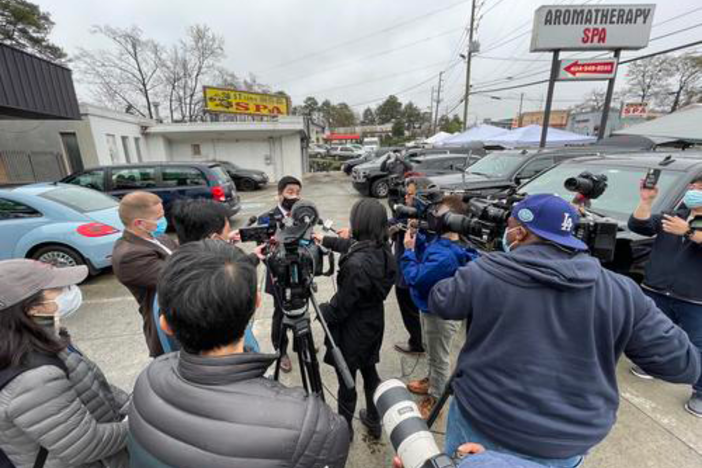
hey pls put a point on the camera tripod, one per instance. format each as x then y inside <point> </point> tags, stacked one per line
<point>448,391</point>
<point>298,321</point>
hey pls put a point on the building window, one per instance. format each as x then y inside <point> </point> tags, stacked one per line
<point>197,151</point>
<point>137,145</point>
<point>125,148</point>
<point>112,148</point>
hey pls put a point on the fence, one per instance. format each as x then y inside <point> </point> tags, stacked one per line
<point>21,167</point>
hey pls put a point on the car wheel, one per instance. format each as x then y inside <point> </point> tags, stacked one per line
<point>247,185</point>
<point>59,256</point>
<point>380,188</point>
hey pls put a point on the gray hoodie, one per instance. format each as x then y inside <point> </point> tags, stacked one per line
<point>538,371</point>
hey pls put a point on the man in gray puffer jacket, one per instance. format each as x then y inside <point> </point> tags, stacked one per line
<point>209,405</point>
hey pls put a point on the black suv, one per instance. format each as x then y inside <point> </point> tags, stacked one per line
<point>169,180</point>
<point>245,180</point>
<point>501,170</point>
<point>624,173</point>
<point>371,179</point>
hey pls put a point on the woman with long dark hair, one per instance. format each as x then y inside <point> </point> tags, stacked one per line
<point>356,314</point>
<point>56,407</point>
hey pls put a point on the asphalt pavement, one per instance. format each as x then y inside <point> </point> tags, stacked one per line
<point>653,429</point>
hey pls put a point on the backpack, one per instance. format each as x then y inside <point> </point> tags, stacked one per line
<point>8,374</point>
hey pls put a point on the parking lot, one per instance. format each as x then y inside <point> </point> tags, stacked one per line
<point>653,430</point>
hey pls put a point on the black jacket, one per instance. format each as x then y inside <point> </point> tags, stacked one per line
<point>220,412</point>
<point>356,314</point>
<point>675,265</point>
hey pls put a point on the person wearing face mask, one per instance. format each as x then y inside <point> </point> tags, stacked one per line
<point>674,270</point>
<point>424,264</point>
<point>537,376</point>
<point>138,257</point>
<point>56,407</point>
<point>289,189</point>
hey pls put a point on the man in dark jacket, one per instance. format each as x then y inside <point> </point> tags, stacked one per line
<point>674,271</point>
<point>209,405</point>
<point>139,256</point>
<point>289,189</point>
<point>423,265</point>
<point>537,375</point>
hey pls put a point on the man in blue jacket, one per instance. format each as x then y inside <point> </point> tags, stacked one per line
<point>537,375</point>
<point>423,265</point>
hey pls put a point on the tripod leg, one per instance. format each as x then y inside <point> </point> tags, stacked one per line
<point>448,391</point>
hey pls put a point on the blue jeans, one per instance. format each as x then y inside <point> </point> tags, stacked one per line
<point>459,431</point>
<point>687,316</point>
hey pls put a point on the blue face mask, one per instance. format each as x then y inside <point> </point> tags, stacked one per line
<point>693,198</point>
<point>161,226</point>
<point>506,246</point>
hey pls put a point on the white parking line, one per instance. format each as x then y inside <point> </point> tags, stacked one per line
<point>109,300</point>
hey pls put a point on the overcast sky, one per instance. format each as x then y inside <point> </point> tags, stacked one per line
<point>287,43</point>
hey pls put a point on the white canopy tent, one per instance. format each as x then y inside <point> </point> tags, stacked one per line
<point>531,136</point>
<point>482,132</point>
<point>685,124</point>
<point>438,138</point>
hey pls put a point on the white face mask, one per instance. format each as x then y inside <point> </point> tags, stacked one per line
<point>67,302</point>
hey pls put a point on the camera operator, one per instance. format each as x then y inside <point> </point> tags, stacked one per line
<point>356,313</point>
<point>422,269</point>
<point>536,377</point>
<point>210,405</point>
<point>408,309</point>
<point>674,271</point>
<point>289,189</point>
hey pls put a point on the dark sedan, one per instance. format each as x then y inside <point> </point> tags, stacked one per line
<point>245,180</point>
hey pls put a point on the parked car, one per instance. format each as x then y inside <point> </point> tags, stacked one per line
<point>370,179</point>
<point>59,224</point>
<point>371,143</point>
<point>245,180</point>
<point>348,166</point>
<point>316,150</point>
<point>169,180</point>
<point>624,173</point>
<point>345,152</point>
<point>501,170</point>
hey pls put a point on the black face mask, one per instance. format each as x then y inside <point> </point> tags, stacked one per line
<point>288,203</point>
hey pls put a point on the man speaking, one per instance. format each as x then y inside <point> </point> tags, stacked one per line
<point>537,375</point>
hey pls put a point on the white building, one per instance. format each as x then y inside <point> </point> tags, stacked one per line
<point>107,137</point>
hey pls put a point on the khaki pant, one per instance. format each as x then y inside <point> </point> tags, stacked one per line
<point>438,334</point>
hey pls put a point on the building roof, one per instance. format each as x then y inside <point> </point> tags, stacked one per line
<point>685,125</point>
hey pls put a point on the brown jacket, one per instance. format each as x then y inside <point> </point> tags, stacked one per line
<point>137,263</point>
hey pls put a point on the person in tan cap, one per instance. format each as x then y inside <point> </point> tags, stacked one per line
<point>138,257</point>
<point>56,407</point>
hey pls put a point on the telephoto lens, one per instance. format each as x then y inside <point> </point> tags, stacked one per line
<point>407,431</point>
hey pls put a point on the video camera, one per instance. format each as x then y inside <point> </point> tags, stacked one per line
<point>485,220</point>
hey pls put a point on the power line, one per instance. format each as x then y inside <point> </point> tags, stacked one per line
<point>431,78</point>
<point>367,36</point>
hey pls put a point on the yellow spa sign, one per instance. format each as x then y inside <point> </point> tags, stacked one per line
<point>232,101</point>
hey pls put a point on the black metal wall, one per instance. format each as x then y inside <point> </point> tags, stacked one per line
<point>34,88</point>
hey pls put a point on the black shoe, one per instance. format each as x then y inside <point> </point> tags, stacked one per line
<point>405,348</point>
<point>375,429</point>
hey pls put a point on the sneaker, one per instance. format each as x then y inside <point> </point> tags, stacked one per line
<point>694,404</point>
<point>405,348</point>
<point>285,364</point>
<point>375,429</point>
<point>419,387</point>
<point>640,373</point>
<point>426,406</point>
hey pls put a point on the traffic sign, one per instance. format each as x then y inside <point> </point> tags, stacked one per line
<point>595,69</point>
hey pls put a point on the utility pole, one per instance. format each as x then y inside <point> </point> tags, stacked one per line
<point>438,102</point>
<point>431,112</point>
<point>519,114</point>
<point>468,61</point>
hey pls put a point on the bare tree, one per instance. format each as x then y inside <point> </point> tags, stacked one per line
<point>648,79</point>
<point>595,101</point>
<point>127,75</point>
<point>687,75</point>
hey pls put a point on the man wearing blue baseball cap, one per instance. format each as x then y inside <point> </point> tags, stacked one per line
<point>537,375</point>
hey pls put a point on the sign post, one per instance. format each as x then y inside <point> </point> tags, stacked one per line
<point>588,27</point>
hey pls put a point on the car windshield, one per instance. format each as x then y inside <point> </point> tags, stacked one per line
<point>81,199</point>
<point>498,165</point>
<point>622,194</point>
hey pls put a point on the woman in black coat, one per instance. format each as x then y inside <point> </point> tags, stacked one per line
<point>356,312</point>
